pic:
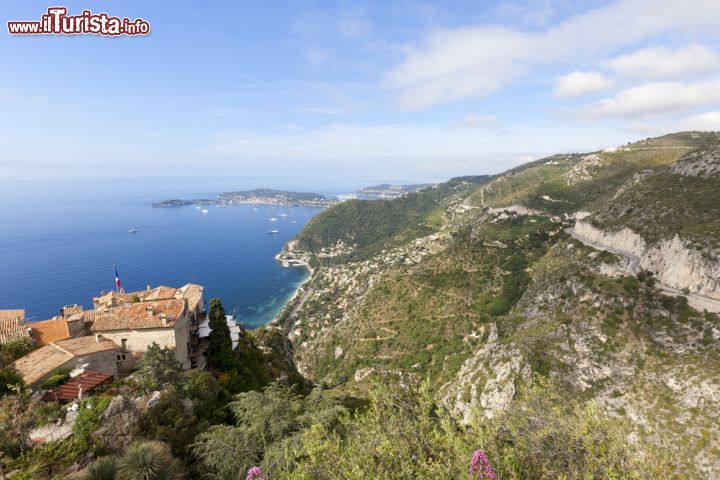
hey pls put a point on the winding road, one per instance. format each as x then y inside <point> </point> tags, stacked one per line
<point>695,300</point>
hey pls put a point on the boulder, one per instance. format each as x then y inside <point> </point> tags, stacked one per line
<point>117,424</point>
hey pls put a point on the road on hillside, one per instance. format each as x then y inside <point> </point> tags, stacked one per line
<point>695,300</point>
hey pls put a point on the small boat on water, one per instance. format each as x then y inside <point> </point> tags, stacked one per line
<point>204,210</point>
<point>283,215</point>
<point>273,232</point>
<point>132,230</point>
<point>197,207</point>
<point>273,219</point>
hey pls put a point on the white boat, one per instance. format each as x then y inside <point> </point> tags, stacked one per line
<point>197,207</point>
<point>132,230</point>
<point>273,219</point>
<point>283,215</point>
<point>293,221</point>
<point>273,232</point>
<point>204,210</point>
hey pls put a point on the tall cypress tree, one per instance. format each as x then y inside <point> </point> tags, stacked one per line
<point>220,355</point>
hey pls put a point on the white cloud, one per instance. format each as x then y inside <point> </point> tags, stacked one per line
<point>663,62</point>
<point>467,62</point>
<point>578,83</point>
<point>474,120</point>
<point>708,121</point>
<point>654,99</point>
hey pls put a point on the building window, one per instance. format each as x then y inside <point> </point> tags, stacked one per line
<point>123,343</point>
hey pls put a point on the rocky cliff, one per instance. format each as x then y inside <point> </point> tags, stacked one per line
<point>481,288</point>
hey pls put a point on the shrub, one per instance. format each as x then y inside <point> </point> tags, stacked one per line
<point>148,461</point>
<point>16,347</point>
<point>158,367</point>
<point>57,377</point>
<point>10,380</point>
<point>103,468</point>
<point>88,419</point>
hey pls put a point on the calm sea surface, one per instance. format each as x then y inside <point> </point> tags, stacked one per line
<point>58,248</point>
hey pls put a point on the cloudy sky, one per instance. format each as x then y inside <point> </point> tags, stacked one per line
<point>389,90</point>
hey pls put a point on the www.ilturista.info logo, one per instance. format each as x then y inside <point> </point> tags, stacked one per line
<point>57,22</point>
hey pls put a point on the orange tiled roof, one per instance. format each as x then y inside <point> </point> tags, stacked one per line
<point>11,324</point>
<point>49,331</point>
<point>140,315</point>
<point>85,382</point>
<point>44,360</point>
<point>191,292</point>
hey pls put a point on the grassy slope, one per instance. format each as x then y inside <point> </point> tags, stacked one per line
<point>547,177</point>
<point>542,292</point>
<point>371,226</point>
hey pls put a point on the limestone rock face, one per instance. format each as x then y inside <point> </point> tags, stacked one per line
<point>702,164</point>
<point>487,379</point>
<point>672,261</point>
<point>625,239</point>
<point>585,169</point>
<point>117,423</point>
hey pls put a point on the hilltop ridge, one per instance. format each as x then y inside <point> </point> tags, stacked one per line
<point>478,285</point>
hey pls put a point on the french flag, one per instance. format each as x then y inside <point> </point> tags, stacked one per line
<point>117,278</point>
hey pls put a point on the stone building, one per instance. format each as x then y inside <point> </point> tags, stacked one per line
<point>166,316</point>
<point>91,353</point>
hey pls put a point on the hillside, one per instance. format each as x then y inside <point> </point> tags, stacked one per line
<point>481,287</point>
<point>358,229</point>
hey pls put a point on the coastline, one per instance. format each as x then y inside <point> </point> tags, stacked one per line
<point>289,260</point>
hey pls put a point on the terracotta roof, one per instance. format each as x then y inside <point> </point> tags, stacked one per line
<point>44,360</point>
<point>81,346</point>
<point>159,293</point>
<point>191,292</point>
<point>140,315</point>
<point>12,314</point>
<point>86,381</point>
<point>49,331</point>
<point>11,324</point>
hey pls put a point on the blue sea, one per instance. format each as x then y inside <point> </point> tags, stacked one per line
<point>58,245</point>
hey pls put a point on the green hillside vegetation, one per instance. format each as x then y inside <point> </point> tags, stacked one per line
<point>664,204</point>
<point>370,226</point>
<point>509,298</point>
<point>418,318</point>
<point>435,330</point>
<point>549,177</point>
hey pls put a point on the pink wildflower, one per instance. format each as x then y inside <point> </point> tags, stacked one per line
<point>480,466</point>
<point>255,474</point>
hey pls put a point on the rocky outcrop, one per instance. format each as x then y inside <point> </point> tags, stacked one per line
<point>117,423</point>
<point>585,169</point>
<point>487,379</point>
<point>703,163</point>
<point>516,209</point>
<point>678,266</point>
<point>672,261</point>
<point>625,239</point>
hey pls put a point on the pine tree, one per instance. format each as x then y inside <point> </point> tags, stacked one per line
<point>220,354</point>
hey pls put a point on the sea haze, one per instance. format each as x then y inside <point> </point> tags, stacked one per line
<point>58,247</point>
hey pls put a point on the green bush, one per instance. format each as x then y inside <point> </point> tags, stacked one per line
<point>88,419</point>
<point>10,380</point>
<point>57,377</point>
<point>148,461</point>
<point>103,468</point>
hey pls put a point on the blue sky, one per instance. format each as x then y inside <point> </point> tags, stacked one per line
<point>373,91</point>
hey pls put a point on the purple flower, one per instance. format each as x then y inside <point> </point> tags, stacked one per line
<point>255,474</point>
<point>480,466</point>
